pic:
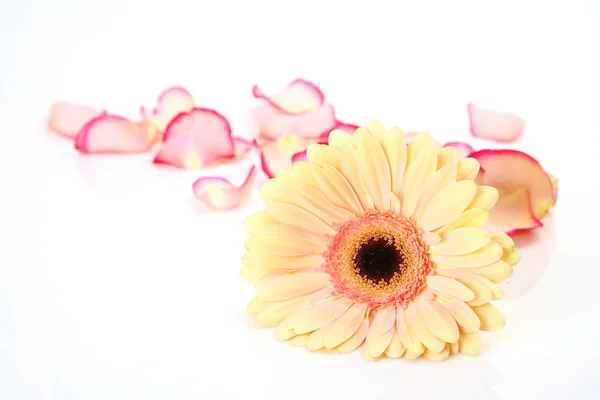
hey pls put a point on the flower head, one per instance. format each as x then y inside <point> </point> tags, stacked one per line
<point>375,244</point>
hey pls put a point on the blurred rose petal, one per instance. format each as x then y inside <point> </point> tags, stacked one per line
<point>171,103</point>
<point>462,149</point>
<point>195,139</point>
<point>276,156</point>
<point>300,156</point>
<point>273,124</point>
<point>509,170</point>
<point>67,119</point>
<point>113,134</point>
<point>554,181</point>
<point>219,193</point>
<point>299,97</point>
<point>513,212</point>
<point>242,146</point>
<point>348,128</point>
<point>494,125</point>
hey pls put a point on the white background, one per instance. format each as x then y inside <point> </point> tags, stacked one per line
<point>115,284</point>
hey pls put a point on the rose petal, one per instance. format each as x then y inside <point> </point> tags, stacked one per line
<point>299,97</point>
<point>67,119</point>
<point>171,102</point>
<point>195,139</point>
<point>242,146</point>
<point>554,181</point>
<point>113,134</point>
<point>508,170</point>
<point>494,125</point>
<point>513,213</point>
<point>300,156</point>
<point>462,149</point>
<point>276,156</point>
<point>348,128</point>
<point>219,193</point>
<point>273,124</point>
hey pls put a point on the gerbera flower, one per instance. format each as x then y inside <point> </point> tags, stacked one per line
<point>375,244</point>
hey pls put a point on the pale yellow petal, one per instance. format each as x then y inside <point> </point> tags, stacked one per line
<point>483,290</point>
<point>321,294</point>
<point>377,342</point>
<point>345,326</point>
<point>475,218</point>
<point>315,340</point>
<point>395,205</point>
<point>441,179</point>
<point>395,348</point>
<point>511,257</point>
<point>394,147</point>
<point>314,202</point>
<point>449,287</point>
<point>253,275</point>
<point>374,169</point>
<point>259,220</point>
<point>286,177</point>
<point>283,331</point>
<point>447,205</point>
<point>275,312</point>
<point>294,215</point>
<point>469,344</point>
<point>439,356</point>
<point>271,262</point>
<point>335,187</point>
<point>495,272</point>
<point>300,340</point>
<point>503,240</point>
<point>422,143</point>
<point>339,138</point>
<point>290,286</point>
<point>486,255</point>
<point>485,198</point>
<point>437,320</point>
<point>385,319</point>
<point>421,331</point>
<point>491,319</point>
<point>302,172</point>
<point>409,355</point>
<point>468,168</point>
<point>431,238</point>
<point>325,154</point>
<point>418,172</point>
<point>464,315</point>
<point>364,351</point>
<point>408,338</point>
<point>377,130</point>
<point>287,240</point>
<point>355,340</point>
<point>351,172</point>
<point>255,306</point>
<point>446,156</point>
<point>453,348</point>
<point>319,314</point>
<point>460,241</point>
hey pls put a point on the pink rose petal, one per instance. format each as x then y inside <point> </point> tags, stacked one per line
<point>513,213</point>
<point>195,139</point>
<point>242,146</point>
<point>219,193</point>
<point>462,149</point>
<point>300,156</point>
<point>273,124</point>
<point>494,125</point>
<point>276,156</point>
<point>171,103</point>
<point>67,119</point>
<point>299,97</point>
<point>113,134</point>
<point>508,170</point>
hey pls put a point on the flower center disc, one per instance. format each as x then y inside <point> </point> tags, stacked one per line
<point>379,259</point>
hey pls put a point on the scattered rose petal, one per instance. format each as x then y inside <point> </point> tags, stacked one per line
<point>462,149</point>
<point>195,139</point>
<point>513,213</point>
<point>273,124</point>
<point>276,156</point>
<point>300,156</point>
<point>554,181</point>
<point>67,119</point>
<point>242,146</point>
<point>219,193</point>
<point>508,170</point>
<point>299,97</point>
<point>494,125</point>
<point>113,134</point>
<point>171,103</point>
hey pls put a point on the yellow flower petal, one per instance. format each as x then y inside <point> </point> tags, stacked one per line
<point>385,319</point>
<point>302,172</point>
<point>324,154</point>
<point>447,205</point>
<point>437,320</point>
<point>449,287</point>
<point>409,355</point>
<point>431,238</point>
<point>469,344</point>
<point>453,348</point>
<point>460,241</point>
<point>421,331</point>
<point>345,326</point>
<point>315,340</point>
<point>433,356</point>
<point>485,198</point>
<point>314,202</point>
<point>294,215</point>
<point>495,272</point>
<point>253,275</point>
<point>418,172</point>
<point>441,179</point>
<point>283,331</point>
<point>364,351</point>
<point>447,156</point>
<point>290,286</point>
<point>335,187</point>
<point>339,138</point>
<point>255,306</point>
<point>395,152</point>
<point>395,348</point>
<point>486,255</point>
<point>475,218</point>
<point>259,220</point>
<point>377,130</point>
<point>300,340</point>
<point>464,315</point>
<point>511,257</point>
<point>468,168</point>
<point>274,313</point>
<point>355,340</point>
<point>484,289</point>
<point>318,315</point>
<point>491,319</point>
<point>287,240</point>
<point>502,239</point>
<point>351,172</point>
<point>271,262</point>
<point>395,205</point>
<point>374,170</point>
<point>408,338</point>
<point>377,342</point>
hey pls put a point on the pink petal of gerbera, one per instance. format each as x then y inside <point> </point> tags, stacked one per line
<point>67,119</point>
<point>494,125</point>
<point>299,97</point>
<point>273,124</point>
<point>113,134</point>
<point>276,156</point>
<point>508,170</point>
<point>513,213</point>
<point>195,139</point>
<point>462,149</point>
<point>171,103</point>
<point>219,193</point>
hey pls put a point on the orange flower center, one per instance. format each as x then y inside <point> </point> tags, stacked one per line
<point>379,259</point>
